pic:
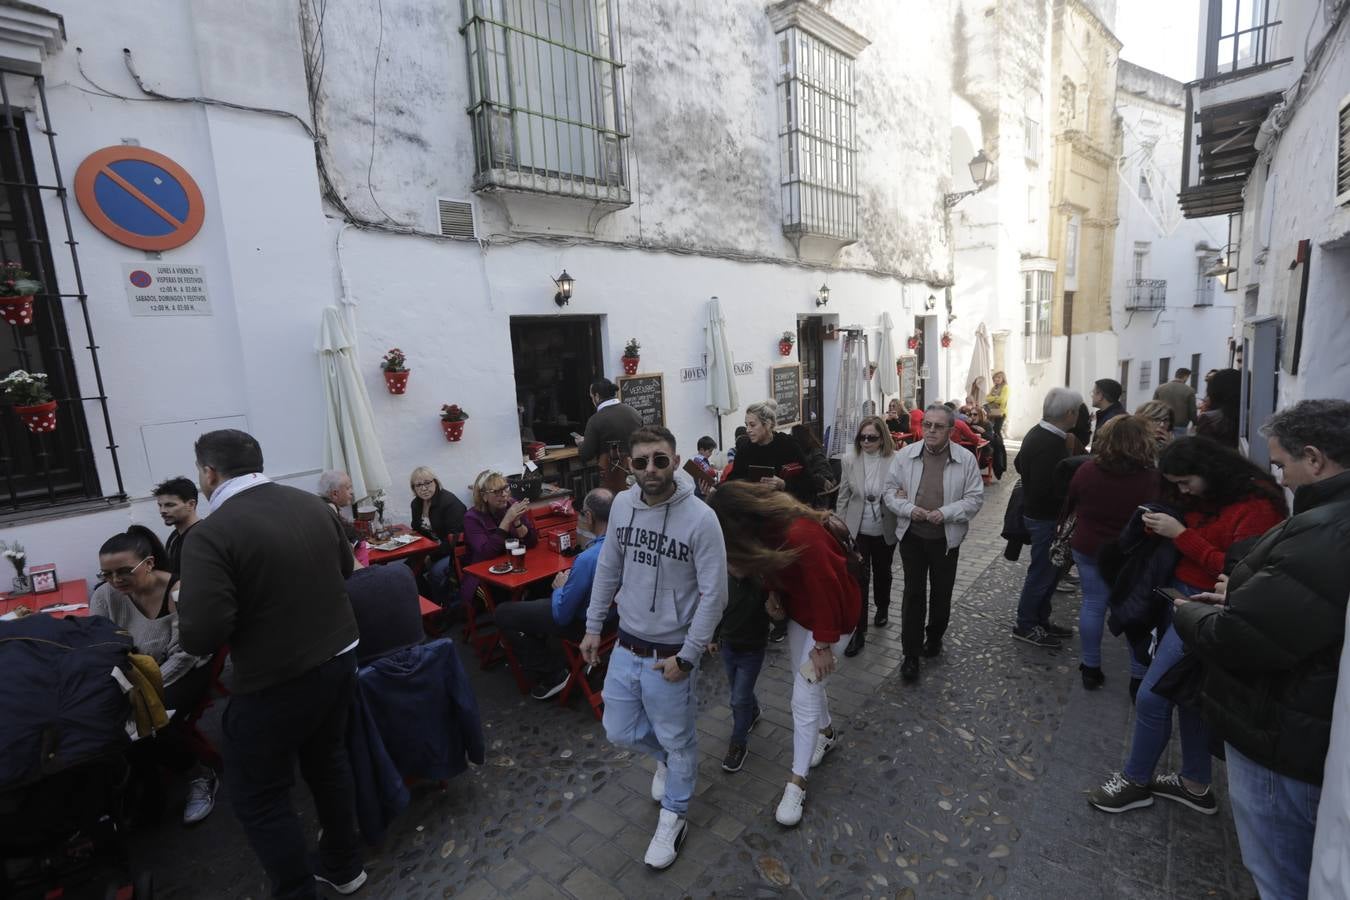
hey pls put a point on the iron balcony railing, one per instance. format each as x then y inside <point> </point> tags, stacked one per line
<point>1146,293</point>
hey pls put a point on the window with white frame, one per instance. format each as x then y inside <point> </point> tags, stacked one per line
<point>1204,284</point>
<point>1031,139</point>
<point>546,96</point>
<point>1036,305</point>
<point>1145,374</point>
<point>817,138</point>
<point>1234,258</point>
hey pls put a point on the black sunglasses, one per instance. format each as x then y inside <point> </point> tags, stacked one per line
<point>869,438</point>
<point>659,460</point>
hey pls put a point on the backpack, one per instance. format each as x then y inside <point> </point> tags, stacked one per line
<point>852,558</point>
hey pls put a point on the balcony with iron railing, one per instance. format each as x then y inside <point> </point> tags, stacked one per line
<point>1146,293</point>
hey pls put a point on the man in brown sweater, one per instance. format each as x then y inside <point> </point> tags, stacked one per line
<point>265,573</point>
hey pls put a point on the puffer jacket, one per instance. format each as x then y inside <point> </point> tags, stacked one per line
<point>1272,652</point>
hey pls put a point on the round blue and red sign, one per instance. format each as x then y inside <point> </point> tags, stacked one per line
<point>139,198</point>
<point>140,278</point>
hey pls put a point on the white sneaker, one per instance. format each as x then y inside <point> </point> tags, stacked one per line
<point>824,744</point>
<point>671,831</point>
<point>789,811</point>
<point>201,798</point>
<point>659,782</point>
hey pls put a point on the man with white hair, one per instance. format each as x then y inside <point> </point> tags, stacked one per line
<point>335,489</point>
<point>1042,449</point>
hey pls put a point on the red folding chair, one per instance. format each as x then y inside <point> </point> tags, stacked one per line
<point>581,679</point>
<point>201,744</point>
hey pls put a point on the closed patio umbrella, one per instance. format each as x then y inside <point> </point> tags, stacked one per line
<point>722,395</point>
<point>887,378</point>
<point>350,439</point>
<point>981,377</point>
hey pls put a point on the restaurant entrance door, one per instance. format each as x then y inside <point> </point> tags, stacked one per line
<point>555,359</point>
<point>811,353</point>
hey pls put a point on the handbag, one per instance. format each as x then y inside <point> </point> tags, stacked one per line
<point>1061,554</point>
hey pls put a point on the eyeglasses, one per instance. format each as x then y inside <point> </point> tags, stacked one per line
<point>123,572</point>
<point>658,460</point>
<point>504,489</point>
<point>935,426</point>
<point>418,485</point>
<point>869,438</point>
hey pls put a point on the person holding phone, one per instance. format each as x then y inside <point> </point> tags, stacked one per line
<point>1227,499</point>
<point>770,535</point>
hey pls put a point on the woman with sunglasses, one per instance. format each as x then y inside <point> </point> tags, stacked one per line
<point>869,519</point>
<point>1227,499</point>
<point>772,536</point>
<point>437,515</point>
<point>496,518</point>
<point>142,598</point>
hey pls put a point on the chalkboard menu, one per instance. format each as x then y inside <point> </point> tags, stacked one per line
<point>785,385</point>
<point>646,393</point>
<point>909,377</point>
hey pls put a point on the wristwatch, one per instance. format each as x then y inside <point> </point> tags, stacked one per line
<point>684,664</point>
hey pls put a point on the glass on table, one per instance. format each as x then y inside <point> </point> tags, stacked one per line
<point>518,561</point>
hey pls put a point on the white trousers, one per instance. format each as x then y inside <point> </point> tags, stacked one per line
<point>810,705</point>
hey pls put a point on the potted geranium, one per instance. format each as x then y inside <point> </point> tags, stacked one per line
<point>946,338</point>
<point>452,421</point>
<point>17,288</point>
<point>914,340</point>
<point>31,398</point>
<point>631,356</point>
<point>395,366</point>
<point>785,343</point>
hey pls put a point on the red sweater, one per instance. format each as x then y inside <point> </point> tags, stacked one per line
<point>819,593</point>
<point>1208,536</point>
<point>1104,501</point>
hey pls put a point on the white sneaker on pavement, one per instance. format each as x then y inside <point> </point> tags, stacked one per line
<point>671,831</point>
<point>824,744</point>
<point>201,798</point>
<point>659,782</point>
<point>789,811</point>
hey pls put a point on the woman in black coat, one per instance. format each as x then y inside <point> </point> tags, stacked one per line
<point>437,515</point>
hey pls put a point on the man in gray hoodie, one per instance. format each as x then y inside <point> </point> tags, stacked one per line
<point>666,566</point>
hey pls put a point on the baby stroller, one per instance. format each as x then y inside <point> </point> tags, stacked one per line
<point>63,774</point>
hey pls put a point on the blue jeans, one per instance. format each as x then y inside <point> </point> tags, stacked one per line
<point>438,577</point>
<point>1153,721</point>
<point>1276,817</point>
<point>1033,607</point>
<point>646,713</point>
<point>1092,615</point>
<point>742,672</point>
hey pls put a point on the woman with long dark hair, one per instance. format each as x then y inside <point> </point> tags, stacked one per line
<point>771,535</point>
<point>1223,395</point>
<point>1226,499</point>
<point>1103,495</point>
<point>869,519</point>
<point>140,596</point>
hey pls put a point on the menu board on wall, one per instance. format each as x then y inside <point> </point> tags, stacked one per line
<point>646,393</point>
<point>785,386</point>
<point>909,377</point>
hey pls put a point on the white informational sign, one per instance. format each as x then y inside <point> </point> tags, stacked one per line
<point>745,368</point>
<point>166,289</point>
<point>693,373</point>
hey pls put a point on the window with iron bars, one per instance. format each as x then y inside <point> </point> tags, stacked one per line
<point>1145,374</point>
<point>546,96</point>
<point>1204,284</point>
<point>1036,303</point>
<point>817,140</point>
<point>41,471</point>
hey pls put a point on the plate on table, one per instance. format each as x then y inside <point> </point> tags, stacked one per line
<point>500,569</point>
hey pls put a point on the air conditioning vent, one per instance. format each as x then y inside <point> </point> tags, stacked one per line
<point>1343,152</point>
<point>456,218</point>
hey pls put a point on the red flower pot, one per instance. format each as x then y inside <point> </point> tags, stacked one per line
<point>946,341</point>
<point>913,343</point>
<point>17,310</point>
<point>784,348</point>
<point>397,382</point>
<point>630,364</point>
<point>454,431</point>
<point>40,418</point>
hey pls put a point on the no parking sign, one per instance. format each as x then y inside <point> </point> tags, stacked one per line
<point>139,198</point>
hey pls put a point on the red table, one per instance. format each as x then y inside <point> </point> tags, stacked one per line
<point>75,591</point>
<point>420,547</point>
<point>541,563</point>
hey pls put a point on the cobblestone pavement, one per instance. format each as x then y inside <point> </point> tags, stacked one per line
<point>971,783</point>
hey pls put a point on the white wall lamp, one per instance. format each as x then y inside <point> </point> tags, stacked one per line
<point>981,169</point>
<point>823,296</point>
<point>565,284</point>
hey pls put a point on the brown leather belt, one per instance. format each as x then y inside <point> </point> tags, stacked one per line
<point>646,649</point>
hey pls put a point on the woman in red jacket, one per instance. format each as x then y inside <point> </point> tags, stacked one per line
<point>1227,499</point>
<point>773,536</point>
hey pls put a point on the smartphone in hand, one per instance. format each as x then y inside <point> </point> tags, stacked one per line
<point>1171,594</point>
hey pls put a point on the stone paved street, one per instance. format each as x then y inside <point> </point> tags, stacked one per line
<point>972,783</point>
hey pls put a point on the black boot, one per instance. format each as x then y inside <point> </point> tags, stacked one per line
<point>855,643</point>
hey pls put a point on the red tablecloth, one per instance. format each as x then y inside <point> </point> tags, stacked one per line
<point>74,591</point>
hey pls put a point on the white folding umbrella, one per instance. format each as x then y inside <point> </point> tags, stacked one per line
<point>981,377</point>
<point>350,439</point>
<point>722,395</point>
<point>887,378</point>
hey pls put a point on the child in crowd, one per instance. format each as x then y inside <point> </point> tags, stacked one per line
<point>741,637</point>
<point>735,444</point>
<point>706,447</point>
